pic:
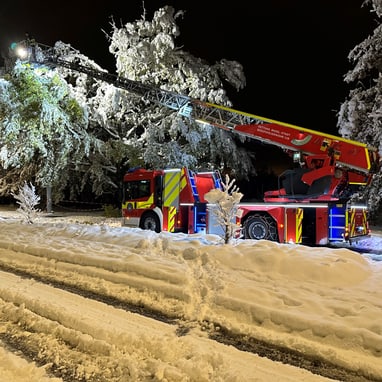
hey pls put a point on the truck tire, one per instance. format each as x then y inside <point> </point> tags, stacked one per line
<point>260,227</point>
<point>150,221</point>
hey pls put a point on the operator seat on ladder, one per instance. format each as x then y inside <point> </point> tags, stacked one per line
<point>295,187</point>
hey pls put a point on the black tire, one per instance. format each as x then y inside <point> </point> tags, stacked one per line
<point>150,221</point>
<point>260,227</point>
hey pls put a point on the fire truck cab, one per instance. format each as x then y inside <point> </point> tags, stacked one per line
<point>167,200</point>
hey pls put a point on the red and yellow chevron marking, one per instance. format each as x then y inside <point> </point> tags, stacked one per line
<point>293,225</point>
<point>351,217</point>
<point>351,221</point>
<point>171,219</point>
<point>171,188</point>
<point>354,225</point>
<point>183,179</point>
<point>299,216</point>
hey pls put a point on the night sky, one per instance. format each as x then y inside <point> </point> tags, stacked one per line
<point>294,52</point>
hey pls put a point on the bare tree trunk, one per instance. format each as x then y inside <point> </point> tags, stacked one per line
<point>49,199</point>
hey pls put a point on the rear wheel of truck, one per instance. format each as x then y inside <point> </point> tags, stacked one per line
<point>260,227</point>
<point>150,221</point>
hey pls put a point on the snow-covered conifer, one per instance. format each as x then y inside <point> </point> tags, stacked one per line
<point>27,199</point>
<point>224,206</point>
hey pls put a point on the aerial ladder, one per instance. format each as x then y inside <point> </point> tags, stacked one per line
<point>329,168</point>
<point>349,154</point>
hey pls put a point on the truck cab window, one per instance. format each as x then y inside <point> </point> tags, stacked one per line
<point>137,189</point>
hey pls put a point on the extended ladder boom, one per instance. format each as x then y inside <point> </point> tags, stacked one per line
<point>350,154</point>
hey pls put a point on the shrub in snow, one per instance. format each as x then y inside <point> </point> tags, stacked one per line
<point>224,207</point>
<point>28,200</point>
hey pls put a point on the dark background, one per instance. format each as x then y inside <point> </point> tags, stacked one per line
<point>294,52</point>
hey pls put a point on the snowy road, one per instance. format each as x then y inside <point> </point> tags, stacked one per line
<point>62,330</point>
<point>54,327</point>
<point>66,289</point>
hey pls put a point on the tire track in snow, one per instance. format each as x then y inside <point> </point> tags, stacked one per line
<point>214,332</point>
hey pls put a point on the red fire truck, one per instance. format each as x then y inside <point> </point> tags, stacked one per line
<point>311,205</point>
<point>171,200</point>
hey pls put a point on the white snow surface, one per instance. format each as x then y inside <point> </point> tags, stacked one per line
<point>323,302</point>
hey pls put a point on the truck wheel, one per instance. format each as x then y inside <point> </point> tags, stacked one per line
<point>150,221</point>
<point>260,227</point>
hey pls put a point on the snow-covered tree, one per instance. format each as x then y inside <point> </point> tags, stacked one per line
<point>27,199</point>
<point>42,129</point>
<point>65,129</point>
<point>224,206</point>
<point>146,51</point>
<point>360,116</point>
<point>45,135</point>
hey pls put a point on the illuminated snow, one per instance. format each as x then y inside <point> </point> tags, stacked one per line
<point>320,301</point>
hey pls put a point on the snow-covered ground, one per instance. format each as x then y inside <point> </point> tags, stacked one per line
<point>325,303</point>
